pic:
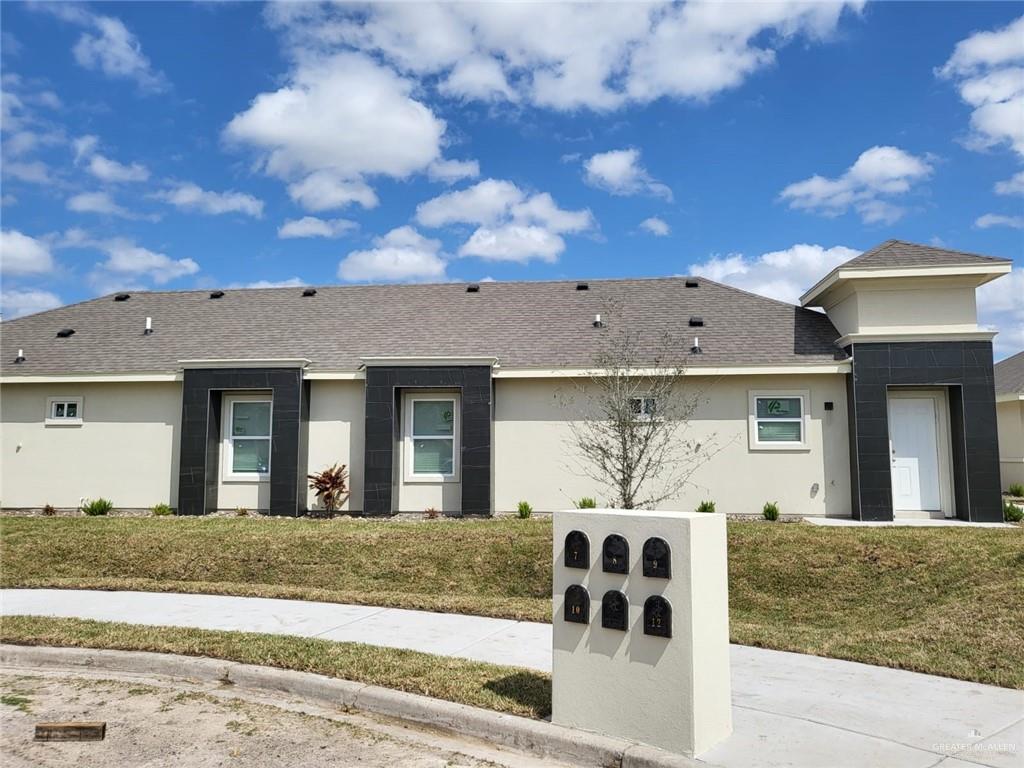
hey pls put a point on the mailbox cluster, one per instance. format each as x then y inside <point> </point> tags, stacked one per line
<point>657,564</point>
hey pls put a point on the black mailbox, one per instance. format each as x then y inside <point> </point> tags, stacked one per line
<point>657,558</point>
<point>577,605</point>
<point>657,617</point>
<point>614,610</point>
<point>577,550</point>
<point>615,556</point>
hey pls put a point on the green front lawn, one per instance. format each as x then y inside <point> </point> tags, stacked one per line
<point>947,601</point>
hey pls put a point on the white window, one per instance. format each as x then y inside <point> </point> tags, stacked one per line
<point>432,438</point>
<point>643,408</point>
<point>64,410</point>
<point>778,420</point>
<point>247,437</point>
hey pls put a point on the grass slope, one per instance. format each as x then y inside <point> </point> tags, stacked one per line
<point>947,601</point>
<point>504,689</point>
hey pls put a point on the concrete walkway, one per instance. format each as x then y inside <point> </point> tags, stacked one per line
<point>788,709</point>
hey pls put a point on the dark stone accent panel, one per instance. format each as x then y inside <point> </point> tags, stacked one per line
<point>965,369</point>
<point>202,393</point>
<point>383,431</point>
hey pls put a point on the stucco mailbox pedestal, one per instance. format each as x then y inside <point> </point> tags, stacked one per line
<point>641,626</point>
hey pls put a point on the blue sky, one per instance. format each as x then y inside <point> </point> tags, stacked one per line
<point>183,145</point>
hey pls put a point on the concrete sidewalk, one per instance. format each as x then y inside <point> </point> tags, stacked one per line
<point>788,709</point>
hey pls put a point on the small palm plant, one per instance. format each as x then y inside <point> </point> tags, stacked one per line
<point>331,486</point>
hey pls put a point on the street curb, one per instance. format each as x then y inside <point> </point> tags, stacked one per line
<point>540,738</point>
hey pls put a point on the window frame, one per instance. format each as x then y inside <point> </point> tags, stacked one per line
<point>642,416</point>
<point>409,438</point>
<point>64,421</point>
<point>803,395</point>
<point>228,472</point>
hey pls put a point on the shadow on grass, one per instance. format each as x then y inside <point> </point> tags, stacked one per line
<point>530,689</point>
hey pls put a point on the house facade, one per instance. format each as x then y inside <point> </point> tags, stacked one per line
<point>1009,378</point>
<point>454,396</point>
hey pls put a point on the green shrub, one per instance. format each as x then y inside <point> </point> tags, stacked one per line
<point>587,502</point>
<point>1016,490</point>
<point>241,512</point>
<point>705,506</point>
<point>97,507</point>
<point>524,510</point>
<point>48,510</point>
<point>1012,513</point>
<point>771,510</point>
<point>161,510</point>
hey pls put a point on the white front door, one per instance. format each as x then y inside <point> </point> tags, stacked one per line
<point>915,454</point>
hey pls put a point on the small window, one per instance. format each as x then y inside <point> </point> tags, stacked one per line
<point>247,444</point>
<point>432,438</point>
<point>64,410</point>
<point>778,420</point>
<point>643,408</point>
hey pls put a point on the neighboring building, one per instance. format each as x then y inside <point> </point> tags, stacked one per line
<point>1010,418</point>
<point>446,396</point>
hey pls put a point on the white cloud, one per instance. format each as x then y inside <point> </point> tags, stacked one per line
<point>34,172</point>
<point>105,169</point>
<point>878,173</point>
<point>621,173</point>
<point>127,259</point>
<point>619,53</point>
<point>998,220</point>
<point>311,226</point>
<point>782,275</point>
<point>21,254</point>
<point>1000,308</point>
<point>450,171</point>
<point>988,70</point>
<point>84,146</point>
<point>513,242</point>
<point>512,225</point>
<point>291,282</point>
<point>656,226</point>
<point>340,118</point>
<point>97,202</point>
<point>401,254</point>
<point>192,197</point>
<point>108,46</point>
<point>324,190</point>
<point>1012,186</point>
<point>18,303</point>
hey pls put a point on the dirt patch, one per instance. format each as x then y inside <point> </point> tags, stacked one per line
<point>196,725</point>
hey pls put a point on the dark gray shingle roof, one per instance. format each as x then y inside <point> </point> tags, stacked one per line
<point>525,324</point>
<point>1010,375</point>
<point>897,253</point>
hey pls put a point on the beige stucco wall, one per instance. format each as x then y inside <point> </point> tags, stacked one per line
<point>1010,422</point>
<point>126,448</point>
<point>336,427</point>
<point>902,306</point>
<point>535,460</point>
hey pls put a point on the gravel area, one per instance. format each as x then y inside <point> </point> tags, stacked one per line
<point>156,722</point>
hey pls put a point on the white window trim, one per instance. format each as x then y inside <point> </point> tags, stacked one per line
<point>805,419</point>
<point>413,477</point>
<point>228,444</point>
<point>51,421</point>
<point>644,416</point>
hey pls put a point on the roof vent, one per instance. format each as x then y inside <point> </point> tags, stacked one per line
<point>122,296</point>
<point>216,294</point>
<point>64,333</point>
<point>598,322</point>
<point>149,326</point>
<point>472,288</point>
<point>695,349</point>
<point>691,283</point>
<point>309,292</point>
<point>582,286</point>
<point>21,356</point>
<point>696,322</point>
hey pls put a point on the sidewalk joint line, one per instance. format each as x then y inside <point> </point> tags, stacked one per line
<point>350,622</point>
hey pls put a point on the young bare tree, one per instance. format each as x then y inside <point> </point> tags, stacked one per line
<point>630,418</point>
